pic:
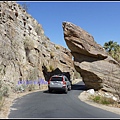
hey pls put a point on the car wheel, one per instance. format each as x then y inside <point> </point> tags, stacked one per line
<point>69,88</point>
<point>66,90</point>
<point>49,90</point>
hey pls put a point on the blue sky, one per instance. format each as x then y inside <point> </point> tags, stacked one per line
<point>100,19</point>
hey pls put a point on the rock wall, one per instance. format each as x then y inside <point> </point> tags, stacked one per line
<point>25,52</point>
<point>97,68</point>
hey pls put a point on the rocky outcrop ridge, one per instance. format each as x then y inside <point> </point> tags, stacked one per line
<point>98,70</point>
<point>25,52</point>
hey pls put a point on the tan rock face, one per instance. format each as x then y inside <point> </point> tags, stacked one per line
<point>25,51</point>
<point>98,70</point>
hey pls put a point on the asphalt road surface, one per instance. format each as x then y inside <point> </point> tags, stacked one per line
<point>43,104</point>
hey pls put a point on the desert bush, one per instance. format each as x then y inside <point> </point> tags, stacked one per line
<point>31,87</point>
<point>25,6</point>
<point>52,54</point>
<point>96,99</point>
<point>106,101</point>
<point>51,68</point>
<point>45,44</point>
<point>38,30</point>
<point>102,99</point>
<point>19,88</point>
<point>1,95</point>
<point>28,44</point>
<point>32,75</point>
<point>5,91</point>
<point>57,47</point>
<point>1,100</point>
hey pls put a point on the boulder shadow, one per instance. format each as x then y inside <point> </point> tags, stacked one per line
<point>79,86</point>
<point>57,71</point>
<point>53,92</point>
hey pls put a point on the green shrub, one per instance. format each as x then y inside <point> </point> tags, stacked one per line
<point>102,100</point>
<point>105,100</point>
<point>96,99</point>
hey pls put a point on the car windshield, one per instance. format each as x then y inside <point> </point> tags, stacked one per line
<point>56,79</point>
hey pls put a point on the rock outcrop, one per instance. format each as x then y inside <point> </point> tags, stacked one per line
<point>25,52</point>
<point>97,68</point>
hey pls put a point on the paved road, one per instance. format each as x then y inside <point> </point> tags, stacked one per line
<point>56,105</point>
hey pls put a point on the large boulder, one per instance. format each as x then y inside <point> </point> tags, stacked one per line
<point>97,68</point>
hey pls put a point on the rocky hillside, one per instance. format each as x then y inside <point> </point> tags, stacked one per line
<point>98,70</point>
<point>25,52</point>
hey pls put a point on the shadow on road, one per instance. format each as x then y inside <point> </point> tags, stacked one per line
<point>54,92</point>
<point>79,87</point>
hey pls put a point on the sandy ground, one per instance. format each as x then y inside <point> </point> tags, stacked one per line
<point>84,96</point>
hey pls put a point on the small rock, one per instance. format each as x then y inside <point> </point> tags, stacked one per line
<point>114,98</point>
<point>91,91</point>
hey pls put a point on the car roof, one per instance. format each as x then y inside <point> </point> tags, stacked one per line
<point>59,75</point>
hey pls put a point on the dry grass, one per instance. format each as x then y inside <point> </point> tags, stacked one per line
<point>103,100</point>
